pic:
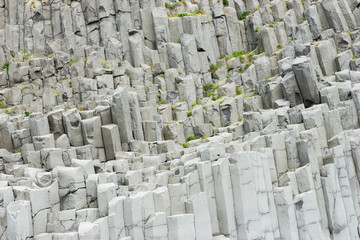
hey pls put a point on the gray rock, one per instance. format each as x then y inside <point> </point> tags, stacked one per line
<point>44,141</point>
<point>334,202</point>
<point>136,116</point>
<point>228,112</point>
<point>51,158</point>
<point>291,89</point>
<point>21,137</point>
<point>222,35</point>
<point>121,115</point>
<point>152,131</point>
<point>326,52</point>
<point>343,41</point>
<point>187,89</point>
<point>303,33</point>
<point>192,26</point>
<point>348,15</point>
<point>174,131</point>
<point>91,131</point>
<point>38,124</point>
<point>342,60</point>
<point>176,225</point>
<point>18,219</point>
<point>234,28</point>
<point>6,128</point>
<point>62,142</point>
<point>136,44</point>
<point>330,95</point>
<point>252,122</point>
<point>175,56</point>
<point>334,15</point>
<point>224,197</point>
<point>312,16</point>
<point>243,185</point>
<point>306,79</point>
<point>263,70</point>
<point>286,215</point>
<point>73,127</point>
<point>190,54</point>
<point>300,207</point>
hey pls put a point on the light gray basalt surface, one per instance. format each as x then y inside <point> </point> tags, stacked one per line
<point>181,120</point>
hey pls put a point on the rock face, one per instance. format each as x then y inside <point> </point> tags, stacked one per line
<point>169,119</point>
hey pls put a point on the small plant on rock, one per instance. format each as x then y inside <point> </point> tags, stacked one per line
<point>244,15</point>
<point>199,11</point>
<point>191,138</point>
<point>73,61</point>
<point>214,68</point>
<point>238,91</point>
<point>238,54</point>
<point>184,14</point>
<point>215,98</point>
<point>3,105</point>
<point>173,5</point>
<point>5,65</point>
<point>208,86</point>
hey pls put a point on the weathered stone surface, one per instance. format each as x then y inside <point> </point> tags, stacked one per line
<point>105,192</point>
<point>121,115</point>
<point>326,52</point>
<point>181,227</point>
<point>91,131</point>
<point>223,197</point>
<point>334,15</point>
<point>18,220</point>
<point>111,138</point>
<point>156,227</point>
<point>247,218</point>
<point>73,127</point>
<point>38,124</point>
<point>306,79</point>
<point>286,213</point>
<point>190,54</point>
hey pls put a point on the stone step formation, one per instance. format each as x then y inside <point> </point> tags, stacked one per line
<point>164,119</point>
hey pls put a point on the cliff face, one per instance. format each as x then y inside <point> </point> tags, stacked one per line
<point>153,119</point>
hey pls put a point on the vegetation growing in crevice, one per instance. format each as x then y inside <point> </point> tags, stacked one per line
<point>191,138</point>
<point>239,91</point>
<point>5,65</point>
<point>214,67</point>
<point>244,15</point>
<point>210,86</point>
<point>3,105</point>
<point>173,5</point>
<point>73,61</point>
